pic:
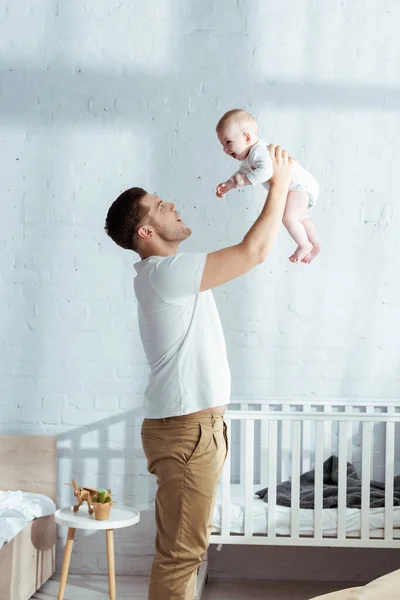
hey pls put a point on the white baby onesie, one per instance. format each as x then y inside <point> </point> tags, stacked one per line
<point>257,166</point>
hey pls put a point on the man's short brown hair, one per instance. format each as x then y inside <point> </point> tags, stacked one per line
<point>125,216</point>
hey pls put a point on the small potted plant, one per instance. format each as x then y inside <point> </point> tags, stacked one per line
<point>101,503</point>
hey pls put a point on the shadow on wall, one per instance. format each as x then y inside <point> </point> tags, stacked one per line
<point>109,454</point>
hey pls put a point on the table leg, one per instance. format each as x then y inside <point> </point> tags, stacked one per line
<point>111,563</point>
<point>66,561</point>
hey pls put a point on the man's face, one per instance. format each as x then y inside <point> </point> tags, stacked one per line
<point>165,219</point>
<point>233,141</point>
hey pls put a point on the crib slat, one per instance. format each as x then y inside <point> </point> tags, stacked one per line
<point>273,456</point>
<point>307,441</point>
<point>318,489</point>
<point>327,432</point>
<point>350,409</point>
<point>389,483</point>
<point>264,458</point>
<point>226,487</point>
<point>285,449</point>
<point>243,445</point>
<point>249,477</point>
<point>295,496</point>
<point>365,478</point>
<point>342,483</point>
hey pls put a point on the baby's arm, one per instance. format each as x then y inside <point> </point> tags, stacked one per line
<point>240,178</point>
<point>224,188</point>
<point>236,180</point>
<point>261,171</point>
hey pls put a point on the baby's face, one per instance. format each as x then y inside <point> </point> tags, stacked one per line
<point>235,142</point>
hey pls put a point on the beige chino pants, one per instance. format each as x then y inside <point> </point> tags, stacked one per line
<point>186,454</point>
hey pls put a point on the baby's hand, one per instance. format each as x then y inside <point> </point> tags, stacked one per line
<point>224,188</point>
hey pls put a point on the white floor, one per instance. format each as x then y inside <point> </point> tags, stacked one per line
<point>135,588</point>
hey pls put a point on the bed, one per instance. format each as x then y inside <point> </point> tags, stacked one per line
<point>28,464</point>
<point>274,443</point>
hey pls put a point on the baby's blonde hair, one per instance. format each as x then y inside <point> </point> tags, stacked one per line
<point>238,116</point>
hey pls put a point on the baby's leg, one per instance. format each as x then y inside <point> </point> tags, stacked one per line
<point>295,213</point>
<point>313,237</point>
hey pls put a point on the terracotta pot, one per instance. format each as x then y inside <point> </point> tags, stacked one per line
<point>101,511</point>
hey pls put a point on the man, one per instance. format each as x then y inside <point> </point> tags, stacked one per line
<point>184,434</point>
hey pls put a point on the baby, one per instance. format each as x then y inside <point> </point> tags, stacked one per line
<point>238,134</point>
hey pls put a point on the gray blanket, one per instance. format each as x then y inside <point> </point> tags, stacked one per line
<point>330,489</point>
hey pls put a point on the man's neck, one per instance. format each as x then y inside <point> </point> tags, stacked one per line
<point>165,251</point>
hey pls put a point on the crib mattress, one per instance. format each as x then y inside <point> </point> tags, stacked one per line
<point>283,517</point>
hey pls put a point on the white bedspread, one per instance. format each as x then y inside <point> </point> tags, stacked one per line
<point>17,509</point>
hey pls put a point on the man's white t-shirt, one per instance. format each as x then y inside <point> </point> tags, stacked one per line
<point>182,337</point>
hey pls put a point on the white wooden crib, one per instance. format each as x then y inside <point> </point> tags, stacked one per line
<point>278,440</point>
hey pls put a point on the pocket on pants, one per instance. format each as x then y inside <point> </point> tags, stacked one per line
<point>193,443</point>
<point>226,438</point>
<point>151,444</point>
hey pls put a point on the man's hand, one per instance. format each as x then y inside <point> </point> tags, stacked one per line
<point>282,164</point>
<point>224,188</point>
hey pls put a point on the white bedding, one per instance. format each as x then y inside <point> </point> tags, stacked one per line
<point>17,509</point>
<point>283,517</point>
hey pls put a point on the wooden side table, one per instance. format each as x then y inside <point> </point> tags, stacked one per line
<point>120,516</point>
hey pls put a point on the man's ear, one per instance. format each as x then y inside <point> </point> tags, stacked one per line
<point>247,137</point>
<point>145,232</point>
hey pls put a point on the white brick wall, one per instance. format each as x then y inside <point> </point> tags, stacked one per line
<point>96,97</point>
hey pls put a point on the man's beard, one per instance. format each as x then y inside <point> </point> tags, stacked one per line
<point>169,234</point>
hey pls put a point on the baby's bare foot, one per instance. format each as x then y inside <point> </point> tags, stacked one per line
<point>301,252</point>
<point>307,259</point>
